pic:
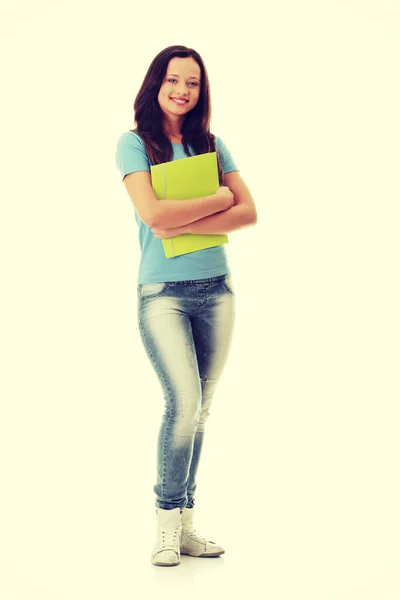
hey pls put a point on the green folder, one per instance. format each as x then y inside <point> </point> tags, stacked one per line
<point>184,179</point>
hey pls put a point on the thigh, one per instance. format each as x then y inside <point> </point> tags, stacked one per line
<point>166,333</point>
<point>213,330</point>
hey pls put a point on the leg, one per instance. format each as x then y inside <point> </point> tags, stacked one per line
<point>166,333</point>
<point>212,333</point>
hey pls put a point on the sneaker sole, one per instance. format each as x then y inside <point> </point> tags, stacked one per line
<point>214,554</point>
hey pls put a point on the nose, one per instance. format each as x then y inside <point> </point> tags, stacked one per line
<point>181,91</point>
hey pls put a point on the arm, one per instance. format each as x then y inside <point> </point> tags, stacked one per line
<point>241,214</point>
<point>175,213</point>
<point>224,222</point>
<point>170,213</point>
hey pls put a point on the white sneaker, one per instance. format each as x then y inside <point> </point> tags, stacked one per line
<point>193,543</point>
<point>166,551</point>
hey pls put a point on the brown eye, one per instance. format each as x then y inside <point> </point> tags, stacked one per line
<point>172,79</point>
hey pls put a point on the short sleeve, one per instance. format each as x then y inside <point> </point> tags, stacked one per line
<point>227,162</point>
<point>131,155</point>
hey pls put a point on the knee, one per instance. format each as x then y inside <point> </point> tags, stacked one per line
<point>203,417</point>
<point>186,414</point>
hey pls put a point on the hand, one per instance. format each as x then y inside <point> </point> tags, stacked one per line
<point>224,192</point>
<point>167,233</point>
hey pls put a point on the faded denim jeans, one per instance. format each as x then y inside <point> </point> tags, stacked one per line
<point>186,329</point>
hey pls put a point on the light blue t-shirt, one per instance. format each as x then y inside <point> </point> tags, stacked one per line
<point>131,156</point>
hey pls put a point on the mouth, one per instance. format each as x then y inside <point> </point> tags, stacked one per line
<point>179,102</point>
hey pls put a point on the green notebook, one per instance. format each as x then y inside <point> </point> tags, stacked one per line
<point>183,179</point>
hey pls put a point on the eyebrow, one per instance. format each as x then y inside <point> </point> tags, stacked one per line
<point>175,75</point>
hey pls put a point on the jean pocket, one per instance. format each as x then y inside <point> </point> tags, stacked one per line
<point>227,284</point>
<point>151,290</point>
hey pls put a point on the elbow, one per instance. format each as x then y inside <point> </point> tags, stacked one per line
<point>252,218</point>
<point>151,220</point>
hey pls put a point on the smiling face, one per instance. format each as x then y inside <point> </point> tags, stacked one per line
<point>182,80</point>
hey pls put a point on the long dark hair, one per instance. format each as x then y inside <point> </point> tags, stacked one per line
<point>149,116</point>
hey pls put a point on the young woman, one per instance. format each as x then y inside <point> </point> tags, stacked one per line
<point>186,304</point>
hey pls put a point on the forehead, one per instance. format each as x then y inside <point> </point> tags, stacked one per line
<point>186,67</point>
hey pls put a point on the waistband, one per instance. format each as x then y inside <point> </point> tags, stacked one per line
<point>207,280</point>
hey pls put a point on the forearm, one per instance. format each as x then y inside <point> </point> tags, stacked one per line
<point>222,222</point>
<point>176,213</point>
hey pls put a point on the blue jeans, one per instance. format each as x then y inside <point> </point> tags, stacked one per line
<point>186,329</point>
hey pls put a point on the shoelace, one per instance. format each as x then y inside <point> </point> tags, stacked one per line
<point>169,538</point>
<point>194,535</point>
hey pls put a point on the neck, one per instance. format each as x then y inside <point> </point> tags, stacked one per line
<point>173,129</point>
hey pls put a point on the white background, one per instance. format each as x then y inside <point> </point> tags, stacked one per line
<point>299,478</point>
